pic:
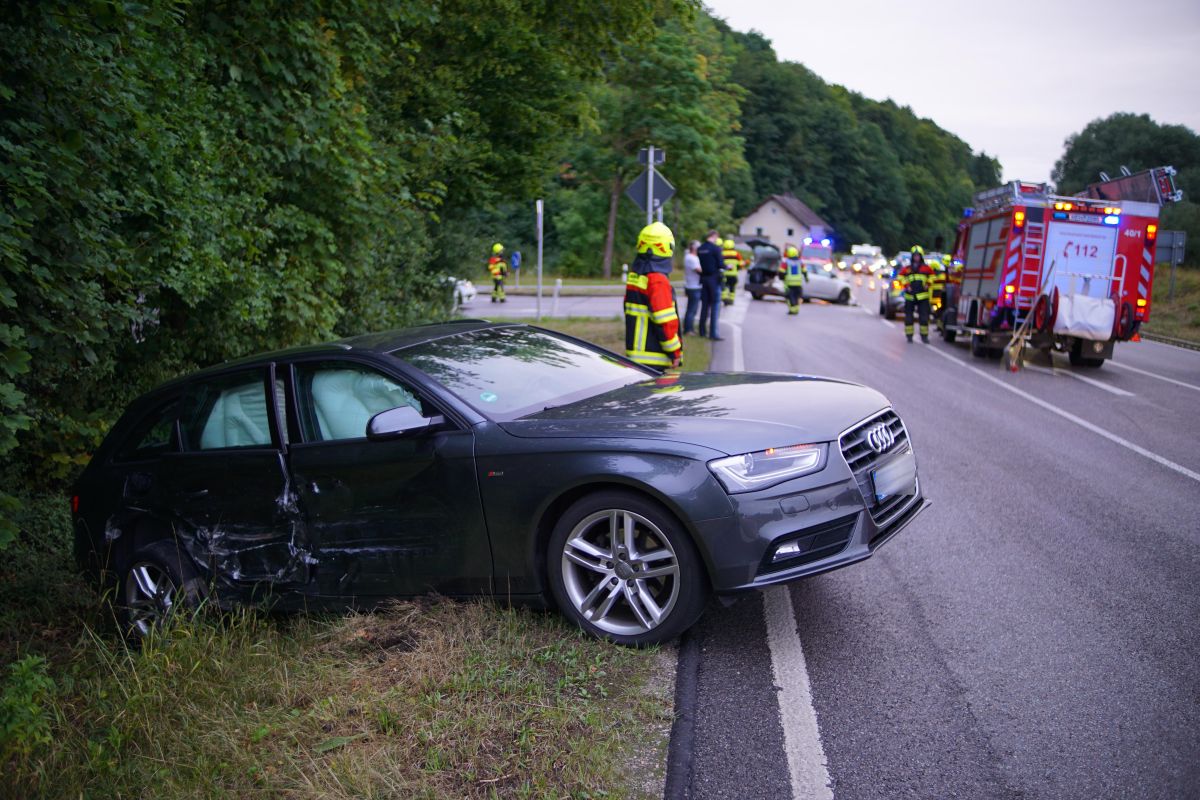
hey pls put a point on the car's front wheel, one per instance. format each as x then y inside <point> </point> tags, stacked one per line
<point>623,569</point>
<point>844,297</point>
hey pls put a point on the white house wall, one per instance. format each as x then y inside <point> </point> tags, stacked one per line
<point>771,221</point>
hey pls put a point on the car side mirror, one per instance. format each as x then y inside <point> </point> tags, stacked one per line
<point>397,423</point>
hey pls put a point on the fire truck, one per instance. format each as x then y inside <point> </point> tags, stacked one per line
<point>1071,274</point>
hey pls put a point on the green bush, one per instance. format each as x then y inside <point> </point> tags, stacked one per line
<point>26,717</point>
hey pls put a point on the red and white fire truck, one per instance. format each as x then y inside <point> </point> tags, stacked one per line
<point>1071,274</point>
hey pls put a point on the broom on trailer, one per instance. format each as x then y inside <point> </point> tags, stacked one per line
<point>1014,352</point>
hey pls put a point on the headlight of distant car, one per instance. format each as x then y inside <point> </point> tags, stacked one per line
<point>752,471</point>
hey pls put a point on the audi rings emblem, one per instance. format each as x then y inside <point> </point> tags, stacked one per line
<point>880,438</point>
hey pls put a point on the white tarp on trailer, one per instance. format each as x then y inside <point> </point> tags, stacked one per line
<point>1085,317</point>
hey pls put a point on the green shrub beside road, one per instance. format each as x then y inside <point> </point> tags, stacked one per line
<point>1179,318</point>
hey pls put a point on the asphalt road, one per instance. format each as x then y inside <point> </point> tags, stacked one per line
<point>1034,634</point>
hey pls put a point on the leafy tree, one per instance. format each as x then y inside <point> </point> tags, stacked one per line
<point>1137,142</point>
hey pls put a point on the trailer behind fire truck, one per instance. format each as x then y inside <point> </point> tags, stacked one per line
<point>1072,274</point>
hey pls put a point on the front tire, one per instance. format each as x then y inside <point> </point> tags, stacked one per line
<point>623,569</point>
<point>844,297</point>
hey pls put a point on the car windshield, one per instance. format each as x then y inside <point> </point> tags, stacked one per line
<point>506,373</point>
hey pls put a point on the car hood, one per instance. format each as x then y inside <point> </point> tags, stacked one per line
<point>732,412</point>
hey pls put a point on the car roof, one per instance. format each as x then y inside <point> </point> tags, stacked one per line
<point>374,343</point>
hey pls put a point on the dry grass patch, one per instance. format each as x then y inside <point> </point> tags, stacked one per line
<point>422,700</point>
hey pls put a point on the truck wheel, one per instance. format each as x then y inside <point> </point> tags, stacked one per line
<point>948,331</point>
<point>979,347</point>
<point>882,309</point>
<point>1078,359</point>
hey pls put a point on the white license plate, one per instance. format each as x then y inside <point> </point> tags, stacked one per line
<point>897,476</point>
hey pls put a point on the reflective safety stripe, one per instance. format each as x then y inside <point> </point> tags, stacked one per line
<point>638,281</point>
<point>672,344</point>
<point>664,316</point>
<point>637,310</point>
<point>648,358</point>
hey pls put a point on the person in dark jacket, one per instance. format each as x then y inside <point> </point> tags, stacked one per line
<point>712,264</point>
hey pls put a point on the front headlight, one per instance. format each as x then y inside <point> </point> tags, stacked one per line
<point>752,471</point>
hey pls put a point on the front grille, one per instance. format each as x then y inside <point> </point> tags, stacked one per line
<point>859,455</point>
<point>862,458</point>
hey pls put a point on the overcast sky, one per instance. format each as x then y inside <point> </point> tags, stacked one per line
<point>1013,79</point>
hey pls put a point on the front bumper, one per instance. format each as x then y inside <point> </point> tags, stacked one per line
<point>830,525</point>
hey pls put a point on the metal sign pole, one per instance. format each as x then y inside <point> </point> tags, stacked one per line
<point>539,279</point>
<point>650,186</point>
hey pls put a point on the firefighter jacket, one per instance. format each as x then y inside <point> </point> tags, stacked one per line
<point>793,272</point>
<point>733,262</point>
<point>937,281</point>
<point>497,267</point>
<point>651,320</point>
<point>915,282</point>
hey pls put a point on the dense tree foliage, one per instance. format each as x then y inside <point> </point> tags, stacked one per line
<point>874,170</point>
<point>1137,142</point>
<point>185,183</point>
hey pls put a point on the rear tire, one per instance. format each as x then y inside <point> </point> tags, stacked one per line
<point>622,568</point>
<point>1078,359</point>
<point>948,333</point>
<point>159,584</point>
<point>882,309</point>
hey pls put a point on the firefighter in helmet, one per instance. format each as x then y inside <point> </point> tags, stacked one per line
<point>915,280</point>
<point>937,286</point>
<point>794,278</point>
<point>733,262</point>
<point>651,319</point>
<point>498,269</point>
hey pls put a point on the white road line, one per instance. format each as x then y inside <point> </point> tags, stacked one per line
<point>1083,423</point>
<point>807,766</point>
<point>1155,375</point>
<point>1069,374</point>
<point>887,322</point>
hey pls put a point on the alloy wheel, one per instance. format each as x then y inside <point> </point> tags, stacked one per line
<point>150,596</point>
<point>620,572</point>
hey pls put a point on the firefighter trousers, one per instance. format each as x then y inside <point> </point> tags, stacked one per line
<point>498,290</point>
<point>794,295</point>
<point>921,308</point>
<point>730,290</point>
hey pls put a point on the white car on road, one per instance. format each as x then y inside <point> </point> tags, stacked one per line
<point>824,285</point>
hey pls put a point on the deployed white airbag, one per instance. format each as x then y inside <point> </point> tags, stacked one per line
<point>1085,317</point>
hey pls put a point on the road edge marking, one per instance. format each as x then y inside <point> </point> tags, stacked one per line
<point>807,765</point>
<point>1083,423</point>
<point>1155,375</point>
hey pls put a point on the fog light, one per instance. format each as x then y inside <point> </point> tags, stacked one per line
<point>786,550</point>
<point>1097,347</point>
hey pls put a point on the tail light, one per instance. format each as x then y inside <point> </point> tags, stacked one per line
<point>74,504</point>
<point>1018,219</point>
<point>1151,232</point>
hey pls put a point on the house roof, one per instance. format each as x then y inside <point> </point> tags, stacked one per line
<point>797,208</point>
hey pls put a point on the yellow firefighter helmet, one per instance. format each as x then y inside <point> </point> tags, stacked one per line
<point>656,239</point>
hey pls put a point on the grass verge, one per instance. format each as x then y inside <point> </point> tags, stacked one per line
<point>422,699</point>
<point>1180,317</point>
<point>610,334</point>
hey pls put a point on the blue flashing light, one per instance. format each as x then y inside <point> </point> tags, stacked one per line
<point>1112,219</point>
<point>968,212</point>
<point>1060,215</point>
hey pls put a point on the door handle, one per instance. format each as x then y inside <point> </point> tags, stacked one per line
<point>197,494</point>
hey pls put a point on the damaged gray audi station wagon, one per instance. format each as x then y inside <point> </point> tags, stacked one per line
<point>472,458</point>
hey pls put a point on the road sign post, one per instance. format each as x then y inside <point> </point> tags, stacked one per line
<point>1171,247</point>
<point>650,190</point>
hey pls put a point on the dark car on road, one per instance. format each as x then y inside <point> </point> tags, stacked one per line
<point>473,458</point>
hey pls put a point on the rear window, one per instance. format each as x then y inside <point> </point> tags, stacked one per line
<point>154,435</point>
